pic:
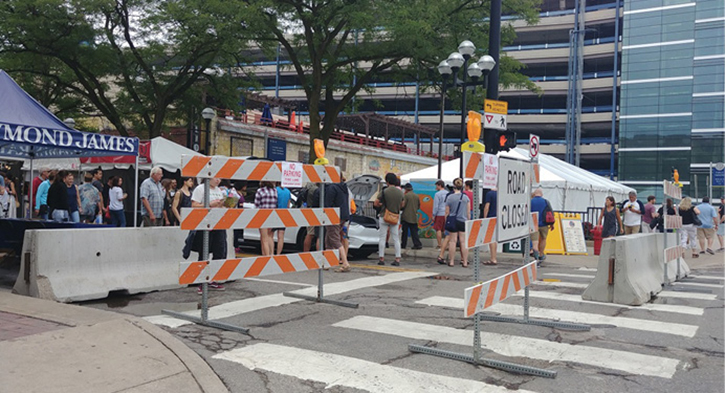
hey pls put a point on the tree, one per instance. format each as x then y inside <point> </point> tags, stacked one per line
<point>337,47</point>
<point>132,61</point>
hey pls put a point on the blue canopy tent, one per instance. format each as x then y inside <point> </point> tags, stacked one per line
<point>28,130</point>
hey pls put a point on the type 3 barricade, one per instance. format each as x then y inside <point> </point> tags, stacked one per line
<point>480,232</point>
<point>207,219</point>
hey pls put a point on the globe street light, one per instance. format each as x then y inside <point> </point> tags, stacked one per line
<point>455,62</point>
<point>208,114</point>
<point>445,69</point>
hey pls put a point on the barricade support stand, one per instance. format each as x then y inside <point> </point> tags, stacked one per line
<point>320,298</point>
<point>204,320</point>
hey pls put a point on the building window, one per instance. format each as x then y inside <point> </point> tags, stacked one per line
<point>240,147</point>
<point>341,163</point>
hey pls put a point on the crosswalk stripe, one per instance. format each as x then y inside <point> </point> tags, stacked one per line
<point>699,277</point>
<point>517,346</point>
<point>568,275</point>
<point>587,269</point>
<point>671,308</point>
<point>337,370</point>
<point>677,329</point>
<point>683,295</point>
<point>697,284</point>
<point>243,306</point>
<point>278,281</point>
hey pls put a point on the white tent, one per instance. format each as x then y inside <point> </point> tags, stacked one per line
<point>567,187</point>
<point>163,153</point>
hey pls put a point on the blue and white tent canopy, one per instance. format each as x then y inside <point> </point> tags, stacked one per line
<point>29,130</point>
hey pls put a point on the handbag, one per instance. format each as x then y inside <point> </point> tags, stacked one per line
<point>451,219</point>
<point>695,219</point>
<point>388,216</point>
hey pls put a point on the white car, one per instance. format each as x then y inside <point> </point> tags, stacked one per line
<point>362,231</point>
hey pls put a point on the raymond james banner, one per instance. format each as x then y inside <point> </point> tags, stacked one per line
<point>23,141</point>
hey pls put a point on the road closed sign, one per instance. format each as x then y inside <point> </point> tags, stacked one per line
<point>513,199</point>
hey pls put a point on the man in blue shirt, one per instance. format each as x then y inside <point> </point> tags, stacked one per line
<point>283,198</point>
<point>489,210</point>
<point>538,238</point>
<point>708,216</point>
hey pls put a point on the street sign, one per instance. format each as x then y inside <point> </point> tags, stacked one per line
<point>490,170</point>
<point>494,121</point>
<point>718,175</point>
<point>497,107</point>
<point>534,145</point>
<point>513,198</point>
<point>292,175</point>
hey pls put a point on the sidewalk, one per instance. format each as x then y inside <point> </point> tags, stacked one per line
<point>54,347</point>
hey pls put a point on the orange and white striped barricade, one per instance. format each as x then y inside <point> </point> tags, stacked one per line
<point>212,219</point>
<point>253,170</point>
<point>483,231</point>
<point>206,220</point>
<point>674,253</point>
<point>476,299</point>
<point>239,268</point>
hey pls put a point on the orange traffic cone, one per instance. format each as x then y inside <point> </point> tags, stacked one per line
<point>292,122</point>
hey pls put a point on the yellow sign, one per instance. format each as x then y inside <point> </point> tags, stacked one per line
<point>498,107</point>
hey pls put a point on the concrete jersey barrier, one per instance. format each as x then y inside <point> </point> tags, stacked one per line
<point>69,265</point>
<point>637,272</point>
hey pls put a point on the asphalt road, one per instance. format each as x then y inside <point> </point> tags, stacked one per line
<point>674,344</point>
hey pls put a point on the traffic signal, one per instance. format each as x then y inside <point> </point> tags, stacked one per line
<point>497,141</point>
<point>506,140</point>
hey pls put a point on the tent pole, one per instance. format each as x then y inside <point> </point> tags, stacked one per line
<point>30,196</point>
<point>135,195</point>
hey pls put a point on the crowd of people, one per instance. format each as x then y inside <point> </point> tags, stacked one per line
<point>701,224</point>
<point>57,197</point>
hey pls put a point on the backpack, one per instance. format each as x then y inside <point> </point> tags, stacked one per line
<point>549,218</point>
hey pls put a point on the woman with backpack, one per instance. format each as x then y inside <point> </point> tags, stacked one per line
<point>457,212</point>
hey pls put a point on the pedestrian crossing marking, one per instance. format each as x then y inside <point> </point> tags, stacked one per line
<point>569,275</point>
<point>699,277</point>
<point>230,309</point>
<point>517,346</point>
<point>683,295</point>
<point>337,370</point>
<point>670,308</point>
<point>697,284</point>
<point>677,329</point>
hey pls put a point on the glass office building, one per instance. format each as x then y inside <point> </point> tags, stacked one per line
<point>672,93</point>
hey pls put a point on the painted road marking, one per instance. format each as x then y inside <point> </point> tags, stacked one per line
<point>516,346</point>
<point>719,278</point>
<point>647,306</point>
<point>683,295</point>
<point>384,268</point>
<point>279,282</point>
<point>573,316</point>
<point>697,284</point>
<point>568,275</point>
<point>587,269</point>
<point>336,370</point>
<point>244,306</point>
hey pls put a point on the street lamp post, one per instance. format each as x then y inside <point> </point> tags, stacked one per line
<point>208,114</point>
<point>452,65</point>
<point>445,70</point>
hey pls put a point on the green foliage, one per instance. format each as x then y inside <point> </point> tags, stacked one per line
<point>135,62</point>
<point>337,46</point>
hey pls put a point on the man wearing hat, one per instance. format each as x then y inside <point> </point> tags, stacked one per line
<point>409,218</point>
<point>43,176</point>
